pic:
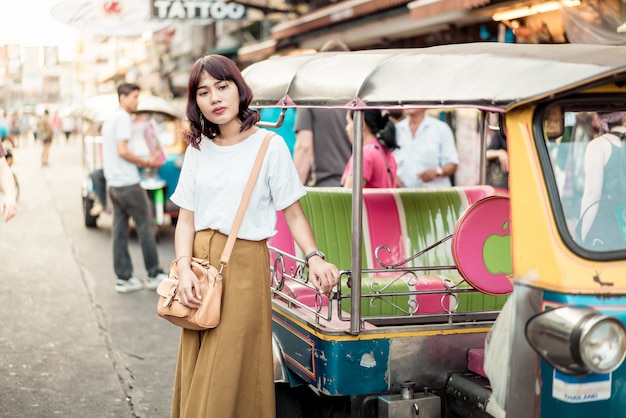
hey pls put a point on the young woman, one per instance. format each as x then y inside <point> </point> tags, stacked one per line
<point>227,371</point>
<point>379,139</point>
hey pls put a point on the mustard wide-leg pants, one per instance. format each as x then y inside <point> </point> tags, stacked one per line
<point>227,372</point>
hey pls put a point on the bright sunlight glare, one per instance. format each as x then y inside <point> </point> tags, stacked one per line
<point>29,23</point>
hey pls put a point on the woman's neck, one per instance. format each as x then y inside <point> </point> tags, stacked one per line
<point>230,135</point>
<point>368,136</point>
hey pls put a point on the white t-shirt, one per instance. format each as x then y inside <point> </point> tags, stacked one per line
<point>118,171</point>
<point>214,177</point>
<point>432,146</point>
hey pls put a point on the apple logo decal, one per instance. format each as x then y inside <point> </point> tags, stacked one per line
<point>497,252</point>
<point>481,246</point>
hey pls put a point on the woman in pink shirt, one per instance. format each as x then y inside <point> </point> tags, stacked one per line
<point>379,139</point>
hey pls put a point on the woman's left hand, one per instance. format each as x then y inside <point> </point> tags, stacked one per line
<point>8,207</point>
<point>323,275</point>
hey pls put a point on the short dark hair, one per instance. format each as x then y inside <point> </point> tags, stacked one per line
<point>220,68</point>
<point>381,126</point>
<point>125,89</point>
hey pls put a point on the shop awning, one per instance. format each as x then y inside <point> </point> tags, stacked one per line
<point>332,15</point>
<point>229,51</point>
<point>422,9</point>
<point>257,51</point>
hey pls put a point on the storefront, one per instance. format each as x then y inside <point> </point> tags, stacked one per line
<point>372,24</point>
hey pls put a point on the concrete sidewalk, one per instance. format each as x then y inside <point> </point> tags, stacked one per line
<point>70,346</point>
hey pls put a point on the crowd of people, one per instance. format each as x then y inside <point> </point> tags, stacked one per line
<point>17,130</point>
<point>27,128</point>
<point>407,149</point>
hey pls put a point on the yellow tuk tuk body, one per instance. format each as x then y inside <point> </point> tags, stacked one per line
<point>557,270</point>
<point>468,301</point>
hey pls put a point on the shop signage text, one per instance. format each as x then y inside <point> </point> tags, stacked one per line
<point>197,9</point>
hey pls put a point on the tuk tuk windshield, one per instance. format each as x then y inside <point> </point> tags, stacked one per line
<point>585,145</point>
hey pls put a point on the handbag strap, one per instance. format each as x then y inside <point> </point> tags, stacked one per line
<point>247,193</point>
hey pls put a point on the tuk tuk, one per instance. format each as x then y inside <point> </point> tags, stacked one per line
<point>157,121</point>
<point>469,301</point>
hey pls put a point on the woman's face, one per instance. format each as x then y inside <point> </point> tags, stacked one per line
<point>218,100</point>
<point>349,127</point>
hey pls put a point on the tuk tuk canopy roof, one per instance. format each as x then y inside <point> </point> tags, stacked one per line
<point>484,75</point>
<point>99,108</point>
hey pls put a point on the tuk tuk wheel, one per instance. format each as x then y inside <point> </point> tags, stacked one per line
<point>90,221</point>
<point>288,404</point>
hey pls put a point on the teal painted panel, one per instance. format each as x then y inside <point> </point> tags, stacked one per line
<point>585,405</point>
<point>353,367</point>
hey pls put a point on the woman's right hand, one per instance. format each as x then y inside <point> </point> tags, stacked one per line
<point>188,288</point>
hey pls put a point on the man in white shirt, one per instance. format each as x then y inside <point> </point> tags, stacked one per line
<point>129,199</point>
<point>427,156</point>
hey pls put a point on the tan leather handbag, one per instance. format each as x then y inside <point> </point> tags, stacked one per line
<point>210,277</point>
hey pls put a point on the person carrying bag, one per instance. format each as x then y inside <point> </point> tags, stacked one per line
<point>209,277</point>
<point>227,370</point>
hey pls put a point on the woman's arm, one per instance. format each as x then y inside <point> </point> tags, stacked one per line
<point>322,275</point>
<point>502,156</point>
<point>188,285</point>
<point>303,154</point>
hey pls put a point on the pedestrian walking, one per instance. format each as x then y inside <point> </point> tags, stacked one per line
<point>69,126</point>
<point>46,133</point>
<point>8,202</point>
<point>129,199</point>
<point>228,370</point>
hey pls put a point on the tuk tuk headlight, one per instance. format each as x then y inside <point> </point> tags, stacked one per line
<point>578,340</point>
<point>603,344</point>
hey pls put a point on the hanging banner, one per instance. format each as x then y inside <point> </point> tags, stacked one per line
<point>197,10</point>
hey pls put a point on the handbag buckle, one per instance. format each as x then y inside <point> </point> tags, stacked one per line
<point>170,295</point>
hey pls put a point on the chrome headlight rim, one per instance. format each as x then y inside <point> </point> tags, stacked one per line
<point>558,335</point>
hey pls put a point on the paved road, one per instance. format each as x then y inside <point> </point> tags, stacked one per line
<point>70,346</point>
